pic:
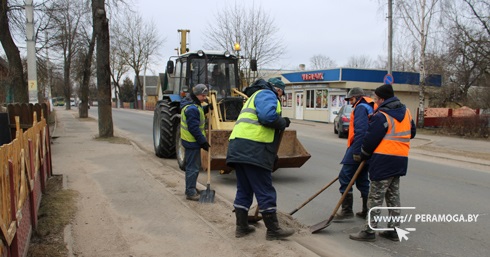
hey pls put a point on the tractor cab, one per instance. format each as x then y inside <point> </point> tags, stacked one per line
<point>218,70</point>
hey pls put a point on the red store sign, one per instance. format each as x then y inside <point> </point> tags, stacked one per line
<point>312,76</point>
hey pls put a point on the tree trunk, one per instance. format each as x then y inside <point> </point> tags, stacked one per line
<point>87,70</point>
<point>17,90</point>
<point>66,82</point>
<point>101,27</point>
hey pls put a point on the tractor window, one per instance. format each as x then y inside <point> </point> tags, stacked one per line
<point>222,77</point>
<point>198,72</point>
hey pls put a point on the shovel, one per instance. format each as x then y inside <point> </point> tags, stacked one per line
<point>313,196</point>
<point>208,195</point>
<point>317,227</point>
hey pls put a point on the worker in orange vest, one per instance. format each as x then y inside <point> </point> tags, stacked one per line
<point>363,108</point>
<point>386,145</point>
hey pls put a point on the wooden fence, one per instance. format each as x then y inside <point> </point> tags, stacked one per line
<point>25,165</point>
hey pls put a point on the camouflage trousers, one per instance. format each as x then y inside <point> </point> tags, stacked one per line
<point>388,189</point>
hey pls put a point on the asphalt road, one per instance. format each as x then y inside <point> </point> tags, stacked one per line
<point>437,188</point>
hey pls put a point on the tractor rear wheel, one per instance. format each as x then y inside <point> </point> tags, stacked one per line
<point>179,150</point>
<point>165,120</point>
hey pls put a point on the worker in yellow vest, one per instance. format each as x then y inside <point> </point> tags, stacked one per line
<point>252,151</point>
<point>193,136</point>
<point>386,145</point>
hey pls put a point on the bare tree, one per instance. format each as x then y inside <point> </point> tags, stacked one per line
<point>17,89</point>
<point>253,28</point>
<point>138,43</point>
<point>417,16</point>
<point>69,17</point>
<point>361,62</point>
<point>118,65</point>
<point>84,71</point>
<point>101,31</point>
<point>320,61</point>
<point>469,46</point>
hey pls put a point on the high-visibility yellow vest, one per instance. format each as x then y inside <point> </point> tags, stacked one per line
<point>184,130</point>
<point>247,125</point>
<point>397,139</point>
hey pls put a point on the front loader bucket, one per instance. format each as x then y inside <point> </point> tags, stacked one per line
<point>292,154</point>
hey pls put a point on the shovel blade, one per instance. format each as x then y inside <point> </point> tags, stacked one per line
<point>207,196</point>
<point>319,226</point>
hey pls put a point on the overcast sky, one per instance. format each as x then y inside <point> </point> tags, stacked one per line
<point>338,29</point>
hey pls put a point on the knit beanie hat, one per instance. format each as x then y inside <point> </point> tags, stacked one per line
<point>385,91</point>
<point>277,82</point>
<point>200,89</point>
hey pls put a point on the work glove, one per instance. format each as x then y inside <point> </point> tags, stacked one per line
<point>365,157</point>
<point>205,146</point>
<point>357,157</point>
<point>287,121</point>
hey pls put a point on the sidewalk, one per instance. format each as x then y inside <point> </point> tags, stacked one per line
<point>472,151</point>
<point>131,204</point>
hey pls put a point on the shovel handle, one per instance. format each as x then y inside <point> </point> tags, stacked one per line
<point>210,113</point>
<point>313,196</point>
<point>358,171</point>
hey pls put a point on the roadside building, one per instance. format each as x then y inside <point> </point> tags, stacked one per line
<point>315,95</point>
<point>151,91</point>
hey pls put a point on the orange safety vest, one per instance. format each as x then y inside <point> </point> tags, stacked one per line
<point>397,139</point>
<point>350,138</point>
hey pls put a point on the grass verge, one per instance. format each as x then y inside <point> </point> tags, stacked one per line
<point>58,207</point>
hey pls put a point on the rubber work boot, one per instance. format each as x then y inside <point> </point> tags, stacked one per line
<point>362,214</point>
<point>242,227</point>
<point>392,235</point>
<point>274,232</point>
<point>192,197</point>
<point>346,212</point>
<point>363,236</point>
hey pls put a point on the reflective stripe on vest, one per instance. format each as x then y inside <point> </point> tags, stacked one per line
<point>247,125</point>
<point>397,139</point>
<point>350,137</point>
<point>184,130</point>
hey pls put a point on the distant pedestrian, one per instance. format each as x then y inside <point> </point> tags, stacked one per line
<point>386,144</point>
<point>252,151</point>
<point>193,136</point>
<point>363,108</point>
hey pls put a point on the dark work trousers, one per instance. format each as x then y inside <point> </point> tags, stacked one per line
<point>362,181</point>
<point>252,180</point>
<point>192,167</point>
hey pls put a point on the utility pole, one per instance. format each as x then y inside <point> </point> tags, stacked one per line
<point>31,53</point>
<point>144,88</point>
<point>390,36</point>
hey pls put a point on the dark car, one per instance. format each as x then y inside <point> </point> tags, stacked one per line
<point>341,121</point>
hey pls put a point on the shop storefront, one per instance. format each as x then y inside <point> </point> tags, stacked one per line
<point>316,95</point>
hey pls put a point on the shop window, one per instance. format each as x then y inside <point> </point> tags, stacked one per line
<point>338,101</point>
<point>321,101</point>
<point>287,100</point>
<point>310,99</point>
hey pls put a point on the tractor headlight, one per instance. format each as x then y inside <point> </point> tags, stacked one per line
<point>227,54</point>
<point>200,53</point>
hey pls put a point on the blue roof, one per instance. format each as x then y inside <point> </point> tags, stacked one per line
<point>361,75</point>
